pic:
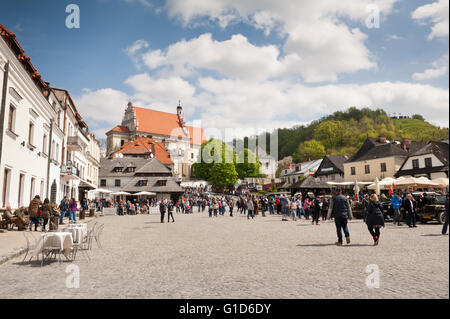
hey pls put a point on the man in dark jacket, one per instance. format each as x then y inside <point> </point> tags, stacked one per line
<point>341,209</point>
<point>162,210</point>
<point>410,209</point>
<point>34,211</point>
<point>170,207</point>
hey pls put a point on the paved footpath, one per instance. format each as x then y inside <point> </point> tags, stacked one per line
<point>231,257</point>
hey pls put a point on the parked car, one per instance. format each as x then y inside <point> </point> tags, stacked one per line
<point>434,211</point>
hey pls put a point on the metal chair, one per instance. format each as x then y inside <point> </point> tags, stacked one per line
<point>97,235</point>
<point>84,245</point>
<point>31,243</point>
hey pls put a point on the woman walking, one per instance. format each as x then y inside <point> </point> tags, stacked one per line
<point>306,207</point>
<point>375,218</point>
<point>73,207</point>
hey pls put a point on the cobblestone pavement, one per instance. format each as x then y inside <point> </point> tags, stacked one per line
<point>232,257</point>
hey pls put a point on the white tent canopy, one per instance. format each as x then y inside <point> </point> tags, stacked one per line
<point>144,193</point>
<point>383,184</point>
<point>441,181</point>
<point>120,193</point>
<point>101,190</point>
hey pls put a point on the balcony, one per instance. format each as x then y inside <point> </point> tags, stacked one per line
<point>74,143</point>
<point>69,170</point>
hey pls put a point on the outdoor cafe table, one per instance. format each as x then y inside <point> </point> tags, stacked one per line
<point>78,231</point>
<point>64,240</point>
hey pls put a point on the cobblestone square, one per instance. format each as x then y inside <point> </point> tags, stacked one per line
<point>232,257</point>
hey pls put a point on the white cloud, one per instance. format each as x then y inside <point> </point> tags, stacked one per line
<point>236,58</point>
<point>316,34</point>
<point>145,3</point>
<point>440,68</point>
<point>437,14</point>
<point>100,107</point>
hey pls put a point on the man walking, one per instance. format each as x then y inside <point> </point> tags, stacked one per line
<point>396,203</point>
<point>341,209</point>
<point>162,210</point>
<point>170,207</point>
<point>64,209</point>
<point>410,209</point>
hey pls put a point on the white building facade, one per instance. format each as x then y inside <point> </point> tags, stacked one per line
<point>30,139</point>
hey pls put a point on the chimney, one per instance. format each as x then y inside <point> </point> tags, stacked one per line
<point>382,139</point>
<point>406,143</point>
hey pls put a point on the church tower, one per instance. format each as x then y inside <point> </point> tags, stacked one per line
<point>180,114</point>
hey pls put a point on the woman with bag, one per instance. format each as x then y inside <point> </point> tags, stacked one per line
<point>375,218</point>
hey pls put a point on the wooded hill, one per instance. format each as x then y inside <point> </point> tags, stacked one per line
<point>344,133</point>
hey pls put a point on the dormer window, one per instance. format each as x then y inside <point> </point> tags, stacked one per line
<point>118,169</point>
<point>161,183</point>
<point>131,169</point>
<point>142,182</point>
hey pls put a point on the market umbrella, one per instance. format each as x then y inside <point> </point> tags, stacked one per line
<point>377,186</point>
<point>443,182</point>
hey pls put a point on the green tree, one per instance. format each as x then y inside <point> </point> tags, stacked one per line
<point>312,149</point>
<point>418,117</point>
<point>223,175</point>
<point>211,152</point>
<point>247,164</point>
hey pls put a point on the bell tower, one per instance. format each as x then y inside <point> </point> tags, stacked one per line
<point>180,114</point>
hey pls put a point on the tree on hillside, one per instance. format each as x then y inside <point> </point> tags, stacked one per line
<point>312,149</point>
<point>418,117</point>
<point>247,164</point>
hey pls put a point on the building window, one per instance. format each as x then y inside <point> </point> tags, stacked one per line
<point>383,167</point>
<point>32,188</point>
<point>161,183</point>
<point>6,181</point>
<point>142,183</point>
<point>353,170</point>
<point>131,169</point>
<point>20,197</point>
<point>118,169</point>
<point>30,133</point>
<point>44,144</point>
<point>428,162</point>
<point>103,182</point>
<point>367,169</point>
<point>11,118</point>
<point>192,156</point>
<point>415,163</point>
<point>42,189</point>
<point>117,183</point>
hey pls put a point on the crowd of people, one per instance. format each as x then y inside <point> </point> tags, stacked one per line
<point>337,207</point>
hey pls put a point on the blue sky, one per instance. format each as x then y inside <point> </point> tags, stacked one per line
<point>239,63</point>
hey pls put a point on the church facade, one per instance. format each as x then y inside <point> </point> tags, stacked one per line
<point>183,142</point>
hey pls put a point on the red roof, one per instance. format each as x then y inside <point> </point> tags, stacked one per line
<point>162,123</point>
<point>143,146</point>
<point>120,128</point>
